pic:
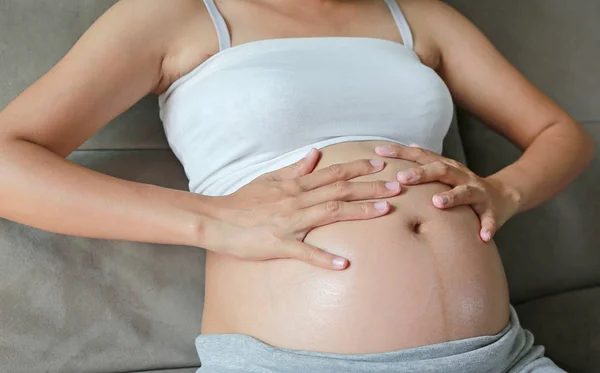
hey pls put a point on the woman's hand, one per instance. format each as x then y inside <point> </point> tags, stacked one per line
<point>270,217</point>
<point>488,198</point>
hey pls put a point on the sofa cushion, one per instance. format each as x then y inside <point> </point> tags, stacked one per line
<point>568,326</point>
<point>82,305</point>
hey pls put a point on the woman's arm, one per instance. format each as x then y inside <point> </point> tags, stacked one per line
<point>116,63</point>
<point>484,83</point>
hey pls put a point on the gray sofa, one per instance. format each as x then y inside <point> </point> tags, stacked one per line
<point>78,305</point>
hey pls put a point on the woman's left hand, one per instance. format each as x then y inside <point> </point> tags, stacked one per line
<point>486,196</point>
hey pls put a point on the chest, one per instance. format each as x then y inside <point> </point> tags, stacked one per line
<point>278,91</point>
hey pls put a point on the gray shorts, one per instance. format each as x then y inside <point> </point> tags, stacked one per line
<point>509,351</point>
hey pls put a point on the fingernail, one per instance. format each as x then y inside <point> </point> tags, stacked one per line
<point>309,153</point>
<point>392,185</point>
<point>340,263</point>
<point>487,235</point>
<point>381,206</point>
<point>376,163</point>
<point>441,200</point>
<point>384,149</point>
<point>407,176</point>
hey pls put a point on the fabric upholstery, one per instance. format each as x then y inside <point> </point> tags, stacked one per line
<point>72,304</point>
<point>569,326</point>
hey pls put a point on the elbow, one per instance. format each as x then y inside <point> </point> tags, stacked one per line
<point>581,143</point>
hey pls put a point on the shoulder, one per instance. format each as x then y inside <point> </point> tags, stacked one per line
<point>180,30</point>
<point>154,16</point>
<point>434,24</point>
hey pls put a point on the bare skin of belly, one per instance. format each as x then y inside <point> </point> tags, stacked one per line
<point>418,276</point>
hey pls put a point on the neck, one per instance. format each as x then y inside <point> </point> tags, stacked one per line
<point>308,8</point>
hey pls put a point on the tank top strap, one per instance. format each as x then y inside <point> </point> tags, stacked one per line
<point>220,24</point>
<point>403,26</point>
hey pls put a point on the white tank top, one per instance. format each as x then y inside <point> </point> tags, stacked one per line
<point>257,107</point>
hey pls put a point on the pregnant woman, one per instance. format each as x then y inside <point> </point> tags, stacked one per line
<point>338,238</point>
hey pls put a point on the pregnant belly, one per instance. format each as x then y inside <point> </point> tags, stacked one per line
<point>418,276</point>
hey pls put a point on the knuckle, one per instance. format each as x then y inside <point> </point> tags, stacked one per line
<point>457,164</point>
<point>301,187</point>
<point>443,167</point>
<point>297,165</point>
<point>333,208</point>
<point>289,204</point>
<point>365,166</point>
<point>378,187</point>
<point>337,170</point>
<point>264,177</point>
<point>341,187</point>
<point>292,187</point>
<point>276,191</point>
<point>364,209</point>
<point>309,255</point>
<point>273,239</point>
<point>468,191</point>
<point>419,151</point>
<point>419,172</point>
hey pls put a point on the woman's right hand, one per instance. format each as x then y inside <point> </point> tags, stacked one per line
<point>270,217</point>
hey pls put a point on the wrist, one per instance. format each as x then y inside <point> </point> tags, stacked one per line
<point>508,190</point>
<point>203,224</point>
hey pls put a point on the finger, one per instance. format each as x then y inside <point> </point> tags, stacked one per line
<point>340,172</point>
<point>297,169</point>
<point>488,225</point>
<point>436,171</point>
<point>315,256</point>
<point>415,154</point>
<point>464,194</point>
<point>349,191</point>
<point>334,211</point>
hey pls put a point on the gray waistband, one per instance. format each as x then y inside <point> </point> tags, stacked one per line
<point>506,351</point>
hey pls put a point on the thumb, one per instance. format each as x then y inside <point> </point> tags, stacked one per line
<point>303,167</point>
<point>314,256</point>
<point>488,225</point>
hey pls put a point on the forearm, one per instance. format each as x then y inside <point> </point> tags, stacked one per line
<point>40,189</point>
<point>549,164</point>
